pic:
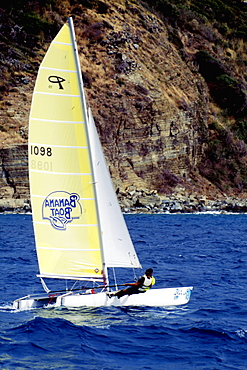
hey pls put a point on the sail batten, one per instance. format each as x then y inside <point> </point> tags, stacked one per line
<point>61,146</point>
<point>60,95</point>
<point>78,225</point>
<point>58,69</point>
<point>67,277</point>
<point>42,197</point>
<point>69,249</point>
<point>61,43</point>
<point>62,173</point>
<point>55,121</point>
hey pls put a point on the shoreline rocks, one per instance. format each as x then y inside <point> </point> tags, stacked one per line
<point>15,205</point>
<point>144,201</point>
<point>133,200</point>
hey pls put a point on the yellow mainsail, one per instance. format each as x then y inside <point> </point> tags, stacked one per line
<point>65,216</point>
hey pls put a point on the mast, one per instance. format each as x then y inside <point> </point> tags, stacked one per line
<point>85,111</point>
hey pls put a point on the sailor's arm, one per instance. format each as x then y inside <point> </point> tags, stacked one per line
<point>132,284</point>
<point>137,283</point>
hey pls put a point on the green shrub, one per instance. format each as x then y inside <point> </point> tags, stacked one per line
<point>230,17</point>
<point>240,129</point>
<point>224,162</point>
<point>209,67</point>
<point>227,92</point>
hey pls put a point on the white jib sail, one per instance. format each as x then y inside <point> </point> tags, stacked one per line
<point>117,244</point>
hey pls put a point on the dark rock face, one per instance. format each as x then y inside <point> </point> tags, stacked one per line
<point>14,172</point>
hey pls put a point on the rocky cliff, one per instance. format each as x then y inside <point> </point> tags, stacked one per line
<point>14,178</point>
<point>151,99</point>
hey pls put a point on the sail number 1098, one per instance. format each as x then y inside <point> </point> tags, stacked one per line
<point>41,150</point>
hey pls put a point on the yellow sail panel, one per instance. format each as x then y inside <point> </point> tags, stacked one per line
<point>69,106</point>
<point>56,262</point>
<point>61,180</point>
<point>66,160</point>
<point>80,184</point>
<point>71,133</point>
<point>53,257</point>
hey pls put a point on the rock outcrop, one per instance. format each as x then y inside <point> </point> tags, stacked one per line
<point>14,172</point>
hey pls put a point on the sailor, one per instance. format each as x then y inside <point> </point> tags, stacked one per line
<point>141,286</point>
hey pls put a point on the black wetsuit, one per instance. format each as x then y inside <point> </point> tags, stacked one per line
<point>132,289</point>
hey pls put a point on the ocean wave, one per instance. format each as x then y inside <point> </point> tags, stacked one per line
<point>241,333</point>
<point>208,332</point>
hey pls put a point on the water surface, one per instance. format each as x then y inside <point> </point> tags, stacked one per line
<point>210,332</point>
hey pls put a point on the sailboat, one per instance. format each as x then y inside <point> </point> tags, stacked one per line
<point>80,232</point>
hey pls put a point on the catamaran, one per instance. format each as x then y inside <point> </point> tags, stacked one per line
<point>80,232</point>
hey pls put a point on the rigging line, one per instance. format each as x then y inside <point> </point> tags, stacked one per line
<point>134,273</point>
<point>45,287</point>
<point>73,284</point>
<point>115,278</point>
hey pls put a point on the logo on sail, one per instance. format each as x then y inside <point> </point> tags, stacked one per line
<point>57,80</point>
<point>60,208</point>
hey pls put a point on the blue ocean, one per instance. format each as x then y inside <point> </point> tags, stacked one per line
<point>208,251</point>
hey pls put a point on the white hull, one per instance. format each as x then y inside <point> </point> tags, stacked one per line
<point>152,298</point>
